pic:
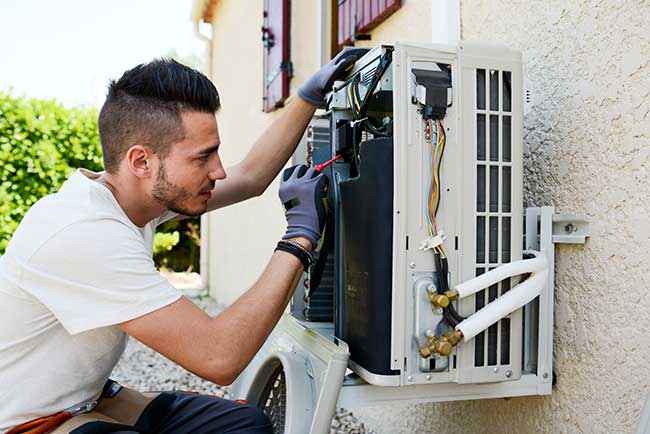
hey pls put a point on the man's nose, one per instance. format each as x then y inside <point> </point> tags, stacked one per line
<point>217,172</point>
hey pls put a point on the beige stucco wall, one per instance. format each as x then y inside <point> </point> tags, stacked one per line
<point>587,150</point>
<point>242,237</point>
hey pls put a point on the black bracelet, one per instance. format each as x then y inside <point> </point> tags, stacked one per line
<point>301,247</point>
<point>295,251</point>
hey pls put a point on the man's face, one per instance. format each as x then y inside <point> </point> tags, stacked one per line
<point>186,176</point>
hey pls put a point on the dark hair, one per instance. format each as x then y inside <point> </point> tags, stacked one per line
<point>144,107</point>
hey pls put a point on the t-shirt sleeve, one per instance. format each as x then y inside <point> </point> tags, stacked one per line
<point>96,273</point>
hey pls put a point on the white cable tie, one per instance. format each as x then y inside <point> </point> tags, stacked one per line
<point>433,242</point>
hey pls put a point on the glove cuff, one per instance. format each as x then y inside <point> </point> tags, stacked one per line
<point>311,98</point>
<point>302,231</point>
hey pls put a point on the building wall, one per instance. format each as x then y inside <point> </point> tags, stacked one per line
<point>242,237</point>
<point>586,141</point>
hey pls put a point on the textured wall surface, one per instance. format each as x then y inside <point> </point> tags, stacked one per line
<point>587,150</point>
<point>242,237</point>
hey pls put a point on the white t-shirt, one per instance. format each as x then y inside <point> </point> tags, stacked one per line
<point>74,268</point>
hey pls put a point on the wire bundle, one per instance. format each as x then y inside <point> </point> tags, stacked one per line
<point>434,195</point>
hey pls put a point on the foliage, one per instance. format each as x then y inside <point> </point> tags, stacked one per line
<point>41,144</point>
<point>163,242</point>
<point>186,252</point>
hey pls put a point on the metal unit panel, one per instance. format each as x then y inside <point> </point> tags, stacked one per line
<point>492,209</point>
<point>411,174</point>
<point>495,355</point>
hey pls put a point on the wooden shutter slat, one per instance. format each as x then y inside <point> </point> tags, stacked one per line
<point>276,54</point>
<point>361,16</point>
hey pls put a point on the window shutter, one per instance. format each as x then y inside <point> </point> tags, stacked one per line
<point>360,16</point>
<point>277,66</point>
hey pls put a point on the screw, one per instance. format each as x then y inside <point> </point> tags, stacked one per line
<point>545,375</point>
<point>409,378</point>
<point>412,265</point>
<point>568,228</point>
<point>496,370</point>
<point>428,376</point>
<point>508,373</point>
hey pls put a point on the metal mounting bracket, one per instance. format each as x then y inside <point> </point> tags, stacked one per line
<point>570,229</point>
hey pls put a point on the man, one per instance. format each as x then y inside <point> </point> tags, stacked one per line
<point>78,276</point>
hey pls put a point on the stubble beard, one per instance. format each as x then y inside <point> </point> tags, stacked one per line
<point>171,196</point>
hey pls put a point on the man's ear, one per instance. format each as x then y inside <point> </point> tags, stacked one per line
<point>138,158</point>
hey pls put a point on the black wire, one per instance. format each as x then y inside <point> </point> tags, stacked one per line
<point>376,131</point>
<point>385,60</point>
<point>451,309</point>
<point>443,286</point>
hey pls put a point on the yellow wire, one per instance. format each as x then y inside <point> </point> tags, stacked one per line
<point>355,99</point>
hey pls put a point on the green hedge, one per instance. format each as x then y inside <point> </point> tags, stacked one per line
<point>41,144</point>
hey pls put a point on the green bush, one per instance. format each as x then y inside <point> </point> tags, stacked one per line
<point>41,144</point>
<point>163,242</point>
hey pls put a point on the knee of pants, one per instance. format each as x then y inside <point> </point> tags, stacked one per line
<point>255,416</point>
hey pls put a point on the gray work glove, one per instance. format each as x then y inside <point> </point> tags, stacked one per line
<point>303,192</point>
<point>314,90</point>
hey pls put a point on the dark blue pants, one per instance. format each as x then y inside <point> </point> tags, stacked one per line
<point>182,412</point>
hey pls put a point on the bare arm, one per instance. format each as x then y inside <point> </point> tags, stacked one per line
<point>266,158</point>
<point>218,349</point>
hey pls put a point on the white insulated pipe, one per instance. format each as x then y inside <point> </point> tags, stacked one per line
<point>503,306</point>
<point>516,268</point>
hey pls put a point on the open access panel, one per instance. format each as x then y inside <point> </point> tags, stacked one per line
<point>427,195</point>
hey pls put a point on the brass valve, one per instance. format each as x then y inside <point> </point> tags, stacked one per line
<point>424,352</point>
<point>443,300</point>
<point>436,345</point>
<point>453,337</point>
<point>441,346</point>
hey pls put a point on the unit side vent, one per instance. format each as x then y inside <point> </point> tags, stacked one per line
<point>493,203</point>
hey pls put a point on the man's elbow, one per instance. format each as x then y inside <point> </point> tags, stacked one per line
<point>222,372</point>
<point>258,190</point>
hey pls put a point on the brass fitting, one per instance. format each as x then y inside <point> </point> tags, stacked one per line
<point>424,352</point>
<point>443,300</point>
<point>453,337</point>
<point>439,346</point>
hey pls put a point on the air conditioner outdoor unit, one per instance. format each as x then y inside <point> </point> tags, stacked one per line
<point>422,288</point>
<point>423,128</point>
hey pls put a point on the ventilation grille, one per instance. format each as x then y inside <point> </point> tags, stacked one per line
<point>493,203</point>
<point>320,306</point>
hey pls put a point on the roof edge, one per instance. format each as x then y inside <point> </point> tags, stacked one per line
<point>203,10</point>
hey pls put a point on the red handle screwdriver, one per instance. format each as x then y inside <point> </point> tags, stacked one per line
<point>320,167</point>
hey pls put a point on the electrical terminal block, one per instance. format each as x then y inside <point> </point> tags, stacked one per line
<point>433,242</point>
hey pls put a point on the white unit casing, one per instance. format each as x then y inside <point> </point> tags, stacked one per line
<point>480,210</point>
<point>481,214</point>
